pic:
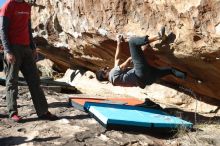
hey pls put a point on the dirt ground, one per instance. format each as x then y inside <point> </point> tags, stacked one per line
<point>78,128</point>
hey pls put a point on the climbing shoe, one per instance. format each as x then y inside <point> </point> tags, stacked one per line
<point>179,74</point>
<point>120,38</point>
<point>162,34</point>
<point>16,118</point>
<point>150,104</point>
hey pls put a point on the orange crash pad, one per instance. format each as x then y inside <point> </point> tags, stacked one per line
<point>78,102</point>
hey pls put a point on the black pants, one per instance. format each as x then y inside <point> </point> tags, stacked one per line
<point>146,73</point>
<point>26,64</point>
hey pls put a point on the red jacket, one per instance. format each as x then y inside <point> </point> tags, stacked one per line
<point>18,15</point>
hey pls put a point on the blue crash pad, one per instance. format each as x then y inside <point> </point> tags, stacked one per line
<point>113,114</point>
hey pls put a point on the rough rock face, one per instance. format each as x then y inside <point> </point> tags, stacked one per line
<point>82,33</point>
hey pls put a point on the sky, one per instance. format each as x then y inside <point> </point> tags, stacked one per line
<point>2,2</point>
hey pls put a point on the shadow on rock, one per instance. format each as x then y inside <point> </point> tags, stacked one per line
<point>196,81</point>
<point>189,92</point>
<point>193,117</point>
<point>165,45</point>
<point>185,115</point>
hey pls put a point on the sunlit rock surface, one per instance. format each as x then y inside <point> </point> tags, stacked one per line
<point>81,33</point>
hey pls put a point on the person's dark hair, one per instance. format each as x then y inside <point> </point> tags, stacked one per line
<point>100,75</point>
<point>31,2</point>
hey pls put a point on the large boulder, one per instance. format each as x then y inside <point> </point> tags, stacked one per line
<point>82,33</point>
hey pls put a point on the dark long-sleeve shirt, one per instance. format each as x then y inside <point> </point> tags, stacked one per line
<point>4,34</point>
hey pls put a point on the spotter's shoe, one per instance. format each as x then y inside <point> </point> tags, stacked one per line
<point>48,116</point>
<point>16,118</point>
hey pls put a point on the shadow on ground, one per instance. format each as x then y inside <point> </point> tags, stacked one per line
<point>21,140</point>
<point>59,104</point>
<point>77,117</point>
<point>193,117</point>
<point>3,116</point>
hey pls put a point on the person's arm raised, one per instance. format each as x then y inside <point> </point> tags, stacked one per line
<point>118,50</point>
<point>125,64</point>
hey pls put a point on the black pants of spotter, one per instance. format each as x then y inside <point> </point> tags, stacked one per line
<point>146,73</point>
<point>26,64</point>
